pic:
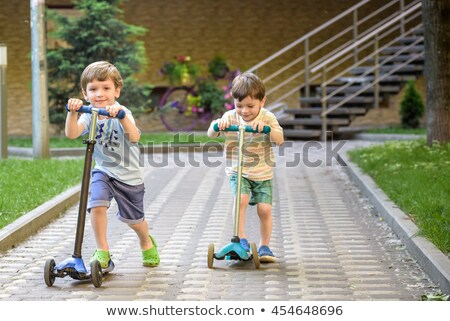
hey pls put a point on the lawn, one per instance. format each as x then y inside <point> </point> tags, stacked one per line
<point>146,138</point>
<point>417,178</point>
<point>26,184</point>
<point>397,130</point>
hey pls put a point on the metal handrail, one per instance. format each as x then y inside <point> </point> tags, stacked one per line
<point>308,61</point>
<point>393,70</point>
<point>329,81</point>
<point>367,37</point>
<point>307,36</point>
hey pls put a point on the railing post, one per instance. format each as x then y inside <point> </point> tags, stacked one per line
<point>3,105</point>
<point>402,22</point>
<point>376,88</point>
<point>355,34</point>
<point>324,106</point>
<point>307,67</point>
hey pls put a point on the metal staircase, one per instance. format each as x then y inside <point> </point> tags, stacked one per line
<point>364,64</point>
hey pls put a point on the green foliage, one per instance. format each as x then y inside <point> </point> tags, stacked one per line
<point>411,107</point>
<point>218,67</point>
<point>181,71</point>
<point>212,96</point>
<point>26,184</point>
<point>98,34</point>
<point>414,176</point>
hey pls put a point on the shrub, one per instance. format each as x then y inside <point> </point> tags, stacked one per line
<point>411,107</point>
<point>98,34</point>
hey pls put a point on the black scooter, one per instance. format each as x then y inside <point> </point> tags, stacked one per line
<point>74,266</point>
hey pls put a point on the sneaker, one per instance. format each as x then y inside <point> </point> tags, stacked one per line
<point>150,257</point>
<point>102,257</point>
<point>265,255</point>
<point>245,245</point>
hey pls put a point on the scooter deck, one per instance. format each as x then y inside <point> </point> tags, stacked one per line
<point>75,268</point>
<point>233,251</point>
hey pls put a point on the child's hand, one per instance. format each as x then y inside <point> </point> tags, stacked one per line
<point>113,110</point>
<point>259,125</point>
<point>74,104</point>
<point>223,124</point>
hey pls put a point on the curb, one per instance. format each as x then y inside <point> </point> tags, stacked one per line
<point>30,223</point>
<point>429,257</point>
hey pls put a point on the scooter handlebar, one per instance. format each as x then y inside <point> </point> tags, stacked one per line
<point>248,129</point>
<point>88,110</point>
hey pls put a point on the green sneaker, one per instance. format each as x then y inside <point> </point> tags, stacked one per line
<point>102,257</point>
<point>150,257</point>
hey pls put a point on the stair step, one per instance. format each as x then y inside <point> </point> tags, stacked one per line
<point>400,58</point>
<point>334,100</point>
<point>394,49</point>
<point>409,39</point>
<point>317,111</point>
<point>370,78</point>
<point>353,89</point>
<point>387,68</point>
<point>302,133</point>
<point>314,122</point>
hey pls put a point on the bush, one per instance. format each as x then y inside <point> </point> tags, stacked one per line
<point>411,107</point>
<point>98,34</point>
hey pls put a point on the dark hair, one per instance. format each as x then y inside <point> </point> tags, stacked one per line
<point>248,84</point>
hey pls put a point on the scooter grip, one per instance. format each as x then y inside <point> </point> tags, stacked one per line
<point>88,110</point>
<point>248,129</point>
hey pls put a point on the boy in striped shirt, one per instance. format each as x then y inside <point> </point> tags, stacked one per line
<point>248,92</point>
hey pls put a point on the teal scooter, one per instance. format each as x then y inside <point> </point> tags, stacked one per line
<point>234,249</point>
<point>74,265</point>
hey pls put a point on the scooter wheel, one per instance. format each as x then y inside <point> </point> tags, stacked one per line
<point>255,255</point>
<point>96,273</point>
<point>49,277</point>
<point>211,255</point>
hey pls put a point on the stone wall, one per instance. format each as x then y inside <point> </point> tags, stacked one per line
<point>244,31</point>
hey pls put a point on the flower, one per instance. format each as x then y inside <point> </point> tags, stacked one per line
<point>180,71</point>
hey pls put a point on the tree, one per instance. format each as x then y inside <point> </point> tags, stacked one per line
<point>411,107</point>
<point>98,34</point>
<point>436,22</point>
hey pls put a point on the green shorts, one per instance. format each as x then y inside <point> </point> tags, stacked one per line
<point>261,191</point>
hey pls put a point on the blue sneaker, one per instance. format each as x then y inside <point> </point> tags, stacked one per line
<point>245,245</point>
<point>265,255</point>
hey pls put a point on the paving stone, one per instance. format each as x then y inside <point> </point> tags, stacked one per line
<point>329,243</point>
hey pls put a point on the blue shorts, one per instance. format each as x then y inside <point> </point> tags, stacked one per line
<point>129,198</point>
<point>260,191</point>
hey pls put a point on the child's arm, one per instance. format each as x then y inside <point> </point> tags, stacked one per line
<point>276,133</point>
<point>73,128</point>
<point>129,127</point>
<point>223,124</point>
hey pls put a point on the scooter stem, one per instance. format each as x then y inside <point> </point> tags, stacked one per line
<point>85,185</point>
<point>239,182</point>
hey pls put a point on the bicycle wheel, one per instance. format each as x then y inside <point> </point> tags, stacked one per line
<point>174,112</point>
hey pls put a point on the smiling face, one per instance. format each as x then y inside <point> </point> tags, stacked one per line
<point>248,108</point>
<point>101,93</point>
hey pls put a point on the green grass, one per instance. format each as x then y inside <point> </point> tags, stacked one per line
<point>397,130</point>
<point>154,138</point>
<point>417,178</point>
<point>26,184</point>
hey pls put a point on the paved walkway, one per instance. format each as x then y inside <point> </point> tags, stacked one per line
<point>330,243</point>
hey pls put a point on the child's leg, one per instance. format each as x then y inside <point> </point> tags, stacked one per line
<point>141,230</point>
<point>245,198</point>
<point>99,222</point>
<point>265,218</point>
